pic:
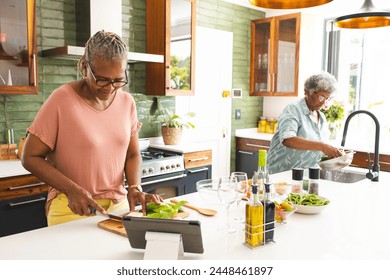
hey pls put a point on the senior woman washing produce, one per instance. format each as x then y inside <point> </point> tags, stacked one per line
<point>298,141</point>
<point>85,137</point>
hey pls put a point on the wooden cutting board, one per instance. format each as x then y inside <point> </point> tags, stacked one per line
<point>116,226</point>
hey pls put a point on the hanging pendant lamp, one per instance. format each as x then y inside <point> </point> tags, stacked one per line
<point>367,17</point>
<point>287,4</point>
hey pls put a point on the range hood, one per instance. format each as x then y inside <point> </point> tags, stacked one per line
<point>92,16</point>
<point>75,52</point>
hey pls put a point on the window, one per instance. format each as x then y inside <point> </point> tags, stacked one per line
<point>360,60</point>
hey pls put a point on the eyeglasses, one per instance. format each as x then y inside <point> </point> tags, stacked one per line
<point>322,98</point>
<point>106,82</point>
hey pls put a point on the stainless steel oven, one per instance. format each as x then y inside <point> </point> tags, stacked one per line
<point>163,172</point>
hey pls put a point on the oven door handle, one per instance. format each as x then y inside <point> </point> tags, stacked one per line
<point>163,180</point>
<point>198,170</point>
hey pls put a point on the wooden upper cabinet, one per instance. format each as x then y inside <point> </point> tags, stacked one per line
<point>170,31</point>
<point>18,48</point>
<point>275,56</point>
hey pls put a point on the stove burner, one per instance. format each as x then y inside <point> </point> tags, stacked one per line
<point>155,154</point>
<point>157,162</point>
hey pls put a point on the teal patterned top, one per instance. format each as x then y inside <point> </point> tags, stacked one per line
<point>294,121</point>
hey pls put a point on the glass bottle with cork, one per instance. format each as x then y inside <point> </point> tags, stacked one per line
<point>254,217</point>
<point>262,168</point>
<point>269,217</point>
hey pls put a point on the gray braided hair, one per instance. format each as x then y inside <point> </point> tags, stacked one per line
<point>322,81</point>
<point>104,45</point>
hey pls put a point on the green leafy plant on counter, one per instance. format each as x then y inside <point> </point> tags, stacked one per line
<point>163,210</point>
<point>170,119</point>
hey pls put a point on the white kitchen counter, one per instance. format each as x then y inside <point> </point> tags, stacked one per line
<point>253,134</point>
<point>9,168</point>
<point>180,148</point>
<point>352,227</point>
<point>352,143</point>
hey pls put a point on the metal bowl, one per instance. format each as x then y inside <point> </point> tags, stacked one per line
<point>338,162</point>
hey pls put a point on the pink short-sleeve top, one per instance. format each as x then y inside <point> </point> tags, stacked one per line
<point>87,146</point>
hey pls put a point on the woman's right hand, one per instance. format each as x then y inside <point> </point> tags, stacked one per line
<point>80,202</point>
<point>331,151</point>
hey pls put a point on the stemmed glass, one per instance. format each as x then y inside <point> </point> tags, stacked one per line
<point>227,194</point>
<point>242,189</point>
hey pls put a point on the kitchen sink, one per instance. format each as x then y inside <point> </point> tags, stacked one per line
<point>342,176</point>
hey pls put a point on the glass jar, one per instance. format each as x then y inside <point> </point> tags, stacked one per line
<point>314,180</point>
<point>297,180</point>
<point>262,125</point>
<point>275,125</point>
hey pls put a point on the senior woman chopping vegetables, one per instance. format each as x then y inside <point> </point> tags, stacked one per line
<point>85,137</point>
<point>299,139</point>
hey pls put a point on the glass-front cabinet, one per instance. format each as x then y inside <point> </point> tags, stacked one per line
<point>170,31</point>
<point>18,59</point>
<point>275,56</point>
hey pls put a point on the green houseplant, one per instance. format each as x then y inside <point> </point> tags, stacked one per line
<point>172,125</point>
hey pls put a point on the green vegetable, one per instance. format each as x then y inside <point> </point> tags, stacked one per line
<point>325,158</point>
<point>307,199</point>
<point>163,210</point>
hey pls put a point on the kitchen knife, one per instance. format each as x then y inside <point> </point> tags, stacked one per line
<point>108,215</point>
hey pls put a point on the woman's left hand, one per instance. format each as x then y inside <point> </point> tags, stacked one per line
<point>135,196</point>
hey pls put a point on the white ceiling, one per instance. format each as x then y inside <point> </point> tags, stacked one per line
<point>332,9</point>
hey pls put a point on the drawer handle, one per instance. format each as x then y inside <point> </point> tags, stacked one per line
<point>258,146</point>
<point>27,202</point>
<point>164,180</point>
<point>247,153</point>
<point>198,159</point>
<point>26,186</point>
<point>198,170</point>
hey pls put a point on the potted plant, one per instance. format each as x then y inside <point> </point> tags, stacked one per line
<point>172,125</point>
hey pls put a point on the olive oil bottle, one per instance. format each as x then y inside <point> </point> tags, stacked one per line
<point>254,218</point>
<point>269,217</point>
<point>262,171</point>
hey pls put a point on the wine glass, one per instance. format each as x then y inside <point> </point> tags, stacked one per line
<point>227,194</point>
<point>242,190</point>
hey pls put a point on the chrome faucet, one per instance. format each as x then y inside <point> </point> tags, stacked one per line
<point>373,174</point>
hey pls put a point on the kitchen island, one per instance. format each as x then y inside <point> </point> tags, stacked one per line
<point>352,227</point>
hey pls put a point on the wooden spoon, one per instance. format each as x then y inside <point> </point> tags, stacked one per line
<point>203,211</point>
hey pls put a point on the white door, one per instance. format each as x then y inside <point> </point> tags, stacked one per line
<point>213,75</point>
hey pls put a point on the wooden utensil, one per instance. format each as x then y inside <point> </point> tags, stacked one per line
<point>203,211</point>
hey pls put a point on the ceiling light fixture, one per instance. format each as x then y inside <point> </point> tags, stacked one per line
<point>287,4</point>
<point>367,17</point>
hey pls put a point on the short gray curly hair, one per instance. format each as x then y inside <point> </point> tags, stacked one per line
<point>104,45</point>
<point>320,82</point>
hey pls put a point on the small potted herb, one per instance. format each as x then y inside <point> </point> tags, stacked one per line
<point>172,125</point>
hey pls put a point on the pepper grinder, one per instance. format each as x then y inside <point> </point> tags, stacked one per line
<point>314,180</point>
